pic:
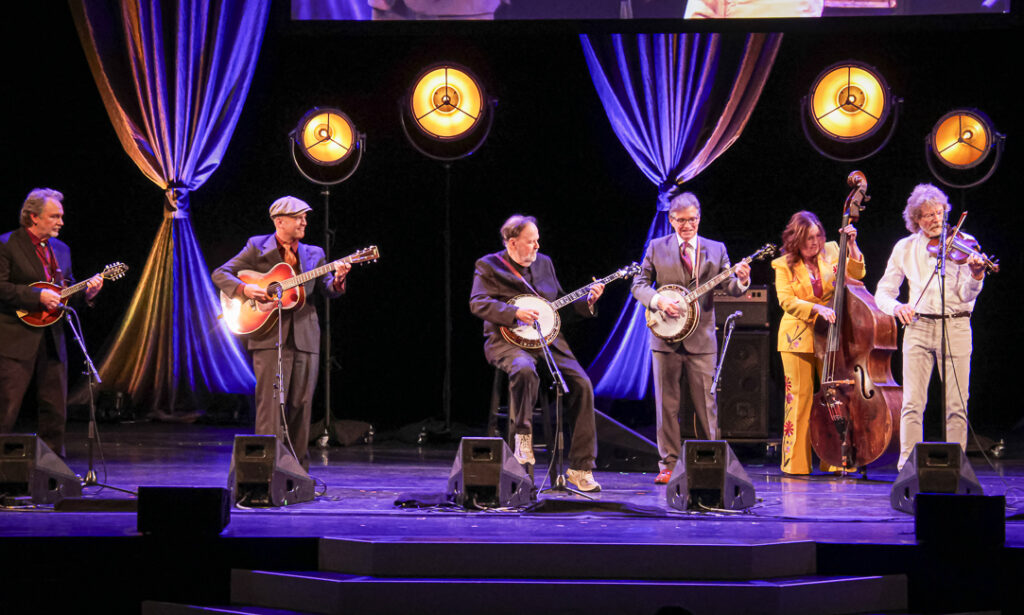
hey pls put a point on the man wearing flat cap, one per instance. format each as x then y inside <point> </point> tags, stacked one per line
<point>300,328</point>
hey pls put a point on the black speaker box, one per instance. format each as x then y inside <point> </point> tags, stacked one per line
<point>265,473</point>
<point>708,475</point>
<point>743,403</point>
<point>202,511</point>
<point>29,468</point>
<point>933,467</point>
<point>486,475</point>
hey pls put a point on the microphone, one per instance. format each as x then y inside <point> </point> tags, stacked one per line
<point>736,314</point>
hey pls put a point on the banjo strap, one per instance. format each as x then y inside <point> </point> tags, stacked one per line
<point>519,275</point>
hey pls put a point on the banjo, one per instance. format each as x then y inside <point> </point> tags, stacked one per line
<point>677,329</point>
<point>526,336</point>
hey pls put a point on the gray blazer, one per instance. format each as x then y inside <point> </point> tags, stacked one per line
<point>663,265</point>
<point>261,254</point>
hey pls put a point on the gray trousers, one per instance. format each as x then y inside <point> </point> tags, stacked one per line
<point>922,351</point>
<point>300,370</point>
<point>670,369</point>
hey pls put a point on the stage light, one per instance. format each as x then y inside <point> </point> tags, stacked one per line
<point>961,141</point>
<point>849,103</point>
<point>331,149</point>
<point>447,114</point>
<point>327,138</point>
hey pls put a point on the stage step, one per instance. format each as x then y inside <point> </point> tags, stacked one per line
<point>332,592</point>
<point>568,560</point>
<point>153,607</point>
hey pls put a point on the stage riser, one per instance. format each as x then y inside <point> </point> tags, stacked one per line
<point>563,560</point>
<point>336,593</point>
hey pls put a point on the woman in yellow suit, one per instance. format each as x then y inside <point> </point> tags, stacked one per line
<point>805,281</point>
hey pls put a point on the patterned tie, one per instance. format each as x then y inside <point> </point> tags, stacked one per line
<point>686,257</point>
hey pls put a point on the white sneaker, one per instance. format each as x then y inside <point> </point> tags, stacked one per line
<point>583,480</point>
<point>524,449</point>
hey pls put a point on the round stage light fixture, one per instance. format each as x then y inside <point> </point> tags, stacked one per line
<point>447,102</point>
<point>331,146</point>
<point>849,101</point>
<point>852,111</point>
<point>961,141</point>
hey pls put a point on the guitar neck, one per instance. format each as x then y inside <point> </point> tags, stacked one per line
<point>715,281</point>
<point>579,292</point>
<point>306,276</point>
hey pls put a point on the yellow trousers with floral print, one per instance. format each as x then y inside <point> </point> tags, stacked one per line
<point>800,369</point>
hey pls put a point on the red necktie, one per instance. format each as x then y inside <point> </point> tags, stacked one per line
<point>685,249</point>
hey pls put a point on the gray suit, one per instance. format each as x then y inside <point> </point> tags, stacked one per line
<point>695,357</point>
<point>300,330</point>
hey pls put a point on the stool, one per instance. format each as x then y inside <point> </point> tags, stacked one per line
<point>543,409</point>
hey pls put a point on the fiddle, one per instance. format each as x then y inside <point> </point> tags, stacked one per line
<point>959,247</point>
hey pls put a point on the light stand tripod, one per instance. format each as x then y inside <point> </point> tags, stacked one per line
<point>558,484</point>
<point>91,478</point>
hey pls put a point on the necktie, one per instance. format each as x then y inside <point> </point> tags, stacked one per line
<point>686,257</point>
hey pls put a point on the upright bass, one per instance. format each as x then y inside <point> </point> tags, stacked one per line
<point>856,411</point>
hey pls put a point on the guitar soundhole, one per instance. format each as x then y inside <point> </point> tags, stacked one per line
<point>274,290</point>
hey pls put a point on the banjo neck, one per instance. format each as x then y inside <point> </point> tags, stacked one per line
<point>701,290</point>
<point>579,292</point>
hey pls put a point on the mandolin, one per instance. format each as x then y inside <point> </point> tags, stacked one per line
<point>45,318</point>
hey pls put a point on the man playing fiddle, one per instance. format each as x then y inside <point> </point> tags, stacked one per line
<point>923,315</point>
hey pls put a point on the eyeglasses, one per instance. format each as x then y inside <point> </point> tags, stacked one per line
<point>684,221</point>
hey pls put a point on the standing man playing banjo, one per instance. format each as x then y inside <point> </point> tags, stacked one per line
<point>300,329</point>
<point>681,258</point>
<point>521,269</point>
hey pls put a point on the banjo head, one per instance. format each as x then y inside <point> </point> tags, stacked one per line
<point>526,336</point>
<point>674,329</point>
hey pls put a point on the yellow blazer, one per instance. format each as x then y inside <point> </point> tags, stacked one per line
<point>796,295</point>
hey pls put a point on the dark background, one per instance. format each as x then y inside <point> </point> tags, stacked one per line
<point>551,154</point>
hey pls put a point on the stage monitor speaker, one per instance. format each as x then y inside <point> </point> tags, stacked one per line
<point>486,475</point>
<point>265,473</point>
<point>933,467</point>
<point>743,402</point>
<point>183,511</point>
<point>708,476</point>
<point>29,468</point>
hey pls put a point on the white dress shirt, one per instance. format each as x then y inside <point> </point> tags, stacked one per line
<point>911,260</point>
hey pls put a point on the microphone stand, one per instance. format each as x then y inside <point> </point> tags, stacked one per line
<point>279,376</point>
<point>940,268</point>
<point>558,484</point>
<point>730,324</point>
<point>91,478</point>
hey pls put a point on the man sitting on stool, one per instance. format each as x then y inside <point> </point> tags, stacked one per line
<point>516,270</point>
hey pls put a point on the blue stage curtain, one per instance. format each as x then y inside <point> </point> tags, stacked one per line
<point>173,76</point>
<point>676,103</point>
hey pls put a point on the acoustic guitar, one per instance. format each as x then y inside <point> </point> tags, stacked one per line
<point>245,316</point>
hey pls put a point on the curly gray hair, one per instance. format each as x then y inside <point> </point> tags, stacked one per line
<point>921,196</point>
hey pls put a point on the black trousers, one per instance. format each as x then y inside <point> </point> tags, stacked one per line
<point>51,392</point>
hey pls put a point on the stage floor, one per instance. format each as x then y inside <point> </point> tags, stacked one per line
<point>362,483</point>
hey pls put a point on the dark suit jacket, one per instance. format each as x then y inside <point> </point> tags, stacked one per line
<point>19,267</point>
<point>494,285</point>
<point>663,265</point>
<point>261,254</point>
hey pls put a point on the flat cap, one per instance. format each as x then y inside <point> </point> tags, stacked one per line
<point>288,206</point>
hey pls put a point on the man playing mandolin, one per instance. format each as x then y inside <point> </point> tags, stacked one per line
<point>680,259</point>
<point>300,329</point>
<point>28,255</point>
<point>520,269</point>
<point>925,215</point>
